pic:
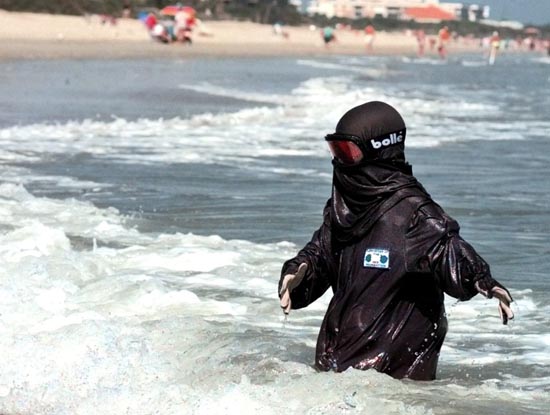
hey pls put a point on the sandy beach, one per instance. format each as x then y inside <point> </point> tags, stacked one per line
<point>44,36</point>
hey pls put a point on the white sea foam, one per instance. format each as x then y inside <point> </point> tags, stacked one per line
<point>544,60</point>
<point>291,127</point>
<point>211,89</point>
<point>425,61</point>
<point>474,63</point>
<point>183,323</point>
<point>350,65</point>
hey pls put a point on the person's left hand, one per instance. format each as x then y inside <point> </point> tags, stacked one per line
<point>502,295</point>
<point>504,299</point>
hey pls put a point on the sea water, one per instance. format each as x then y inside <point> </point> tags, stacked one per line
<point>146,208</point>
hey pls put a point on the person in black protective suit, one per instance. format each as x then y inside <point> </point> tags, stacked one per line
<point>388,252</point>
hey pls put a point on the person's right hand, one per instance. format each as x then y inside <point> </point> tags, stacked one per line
<point>291,281</point>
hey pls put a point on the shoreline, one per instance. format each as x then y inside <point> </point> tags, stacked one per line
<point>28,36</point>
<point>80,49</point>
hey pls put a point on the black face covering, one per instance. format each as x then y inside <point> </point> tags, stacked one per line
<point>361,193</point>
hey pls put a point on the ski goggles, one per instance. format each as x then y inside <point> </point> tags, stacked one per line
<point>349,149</point>
<point>345,148</point>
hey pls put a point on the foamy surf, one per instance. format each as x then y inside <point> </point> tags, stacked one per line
<point>97,314</point>
<point>226,137</point>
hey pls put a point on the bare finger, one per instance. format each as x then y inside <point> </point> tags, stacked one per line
<point>285,301</point>
<point>506,312</point>
<point>284,285</point>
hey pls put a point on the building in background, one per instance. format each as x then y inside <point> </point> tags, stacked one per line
<point>431,11</point>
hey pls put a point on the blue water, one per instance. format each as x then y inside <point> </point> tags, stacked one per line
<point>148,206</point>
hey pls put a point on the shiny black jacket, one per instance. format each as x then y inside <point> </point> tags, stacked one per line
<point>387,311</point>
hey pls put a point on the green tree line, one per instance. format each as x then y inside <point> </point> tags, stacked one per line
<point>261,11</point>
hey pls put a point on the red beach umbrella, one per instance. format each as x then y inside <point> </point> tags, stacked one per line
<point>172,10</point>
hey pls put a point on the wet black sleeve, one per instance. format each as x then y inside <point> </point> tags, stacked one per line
<point>317,254</point>
<point>435,246</point>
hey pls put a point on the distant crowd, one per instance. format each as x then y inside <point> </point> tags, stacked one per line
<point>172,24</point>
<point>439,43</point>
<point>177,23</point>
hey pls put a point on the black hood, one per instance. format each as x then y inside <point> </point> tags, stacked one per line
<point>362,193</point>
<point>379,127</point>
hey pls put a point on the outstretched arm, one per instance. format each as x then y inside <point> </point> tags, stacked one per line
<point>306,277</point>
<point>463,274</point>
<point>434,245</point>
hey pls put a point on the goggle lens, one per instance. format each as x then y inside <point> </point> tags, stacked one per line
<point>346,152</point>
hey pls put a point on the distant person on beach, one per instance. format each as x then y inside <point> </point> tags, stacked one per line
<point>432,41</point>
<point>370,34</point>
<point>388,252</point>
<point>443,38</point>
<point>150,21</point>
<point>160,33</point>
<point>126,9</point>
<point>420,42</point>
<point>494,46</point>
<point>183,27</point>
<point>107,18</point>
<point>278,30</point>
<point>328,35</point>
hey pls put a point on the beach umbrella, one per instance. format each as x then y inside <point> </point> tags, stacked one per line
<point>172,10</point>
